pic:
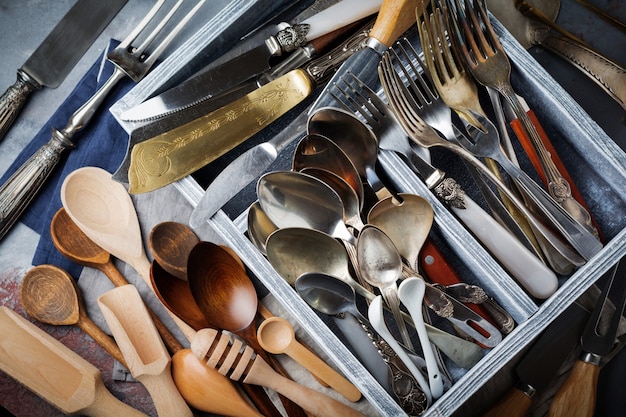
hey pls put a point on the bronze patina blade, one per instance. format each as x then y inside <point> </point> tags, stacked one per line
<point>172,155</point>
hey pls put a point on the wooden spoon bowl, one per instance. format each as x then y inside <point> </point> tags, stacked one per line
<point>50,295</point>
<point>170,243</point>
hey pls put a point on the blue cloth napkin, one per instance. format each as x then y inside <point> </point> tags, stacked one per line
<point>101,143</point>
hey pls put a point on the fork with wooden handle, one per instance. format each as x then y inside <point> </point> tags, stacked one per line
<point>53,371</point>
<point>231,357</point>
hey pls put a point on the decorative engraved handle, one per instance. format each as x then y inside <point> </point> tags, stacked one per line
<point>610,76</point>
<point>20,189</point>
<point>14,99</point>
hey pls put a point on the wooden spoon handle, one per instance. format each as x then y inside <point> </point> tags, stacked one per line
<point>394,18</point>
<point>165,396</point>
<point>514,404</point>
<point>106,405</point>
<point>323,371</point>
<point>101,338</point>
<point>315,402</point>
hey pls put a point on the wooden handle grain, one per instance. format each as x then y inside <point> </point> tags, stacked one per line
<point>394,18</point>
<point>577,396</point>
<point>514,404</point>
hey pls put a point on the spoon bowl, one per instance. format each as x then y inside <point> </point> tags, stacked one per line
<point>170,243</point>
<point>50,295</point>
<point>317,151</point>
<point>293,199</point>
<point>260,227</point>
<point>407,224</point>
<point>381,266</point>
<point>228,300</point>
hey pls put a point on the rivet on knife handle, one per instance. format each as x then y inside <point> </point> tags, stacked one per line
<point>177,153</point>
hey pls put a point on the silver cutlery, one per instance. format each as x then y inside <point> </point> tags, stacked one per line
<point>130,61</point>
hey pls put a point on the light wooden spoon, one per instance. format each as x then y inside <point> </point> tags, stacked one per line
<point>53,371</point>
<point>145,353</point>
<point>104,211</point>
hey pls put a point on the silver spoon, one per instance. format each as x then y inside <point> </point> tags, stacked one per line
<point>316,151</point>
<point>294,199</point>
<point>381,266</point>
<point>259,226</point>
<point>330,296</point>
<point>357,141</point>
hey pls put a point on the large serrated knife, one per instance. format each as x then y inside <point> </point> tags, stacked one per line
<point>56,56</point>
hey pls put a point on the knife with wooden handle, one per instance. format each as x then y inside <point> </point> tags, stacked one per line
<point>53,371</point>
<point>577,395</point>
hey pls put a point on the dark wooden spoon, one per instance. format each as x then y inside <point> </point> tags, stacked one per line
<point>176,295</point>
<point>227,298</point>
<point>170,243</point>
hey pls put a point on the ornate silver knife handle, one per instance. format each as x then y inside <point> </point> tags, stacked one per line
<point>20,189</point>
<point>13,99</point>
<point>607,74</point>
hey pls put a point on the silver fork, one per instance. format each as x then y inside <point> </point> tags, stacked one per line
<point>408,103</point>
<point>356,96</point>
<point>130,61</point>
<point>477,42</point>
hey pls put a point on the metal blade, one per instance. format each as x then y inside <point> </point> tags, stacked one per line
<point>202,87</point>
<point>175,154</point>
<point>246,168</point>
<point>547,354</point>
<point>219,78</point>
<point>600,342</point>
<point>68,41</point>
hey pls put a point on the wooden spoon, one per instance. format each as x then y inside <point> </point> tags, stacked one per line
<point>72,243</point>
<point>103,210</point>
<point>227,298</point>
<point>170,243</point>
<point>176,295</point>
<point>53,371</point>
<point>145,353</point>
<point>277,336</point>
<point>50,295</point>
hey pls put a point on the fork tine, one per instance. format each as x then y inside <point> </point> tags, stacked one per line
<point>173,33</point>
<point>140,49</point>
<point>142,25</point>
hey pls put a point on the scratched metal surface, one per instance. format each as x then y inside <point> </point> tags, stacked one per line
<point>16,251</point>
